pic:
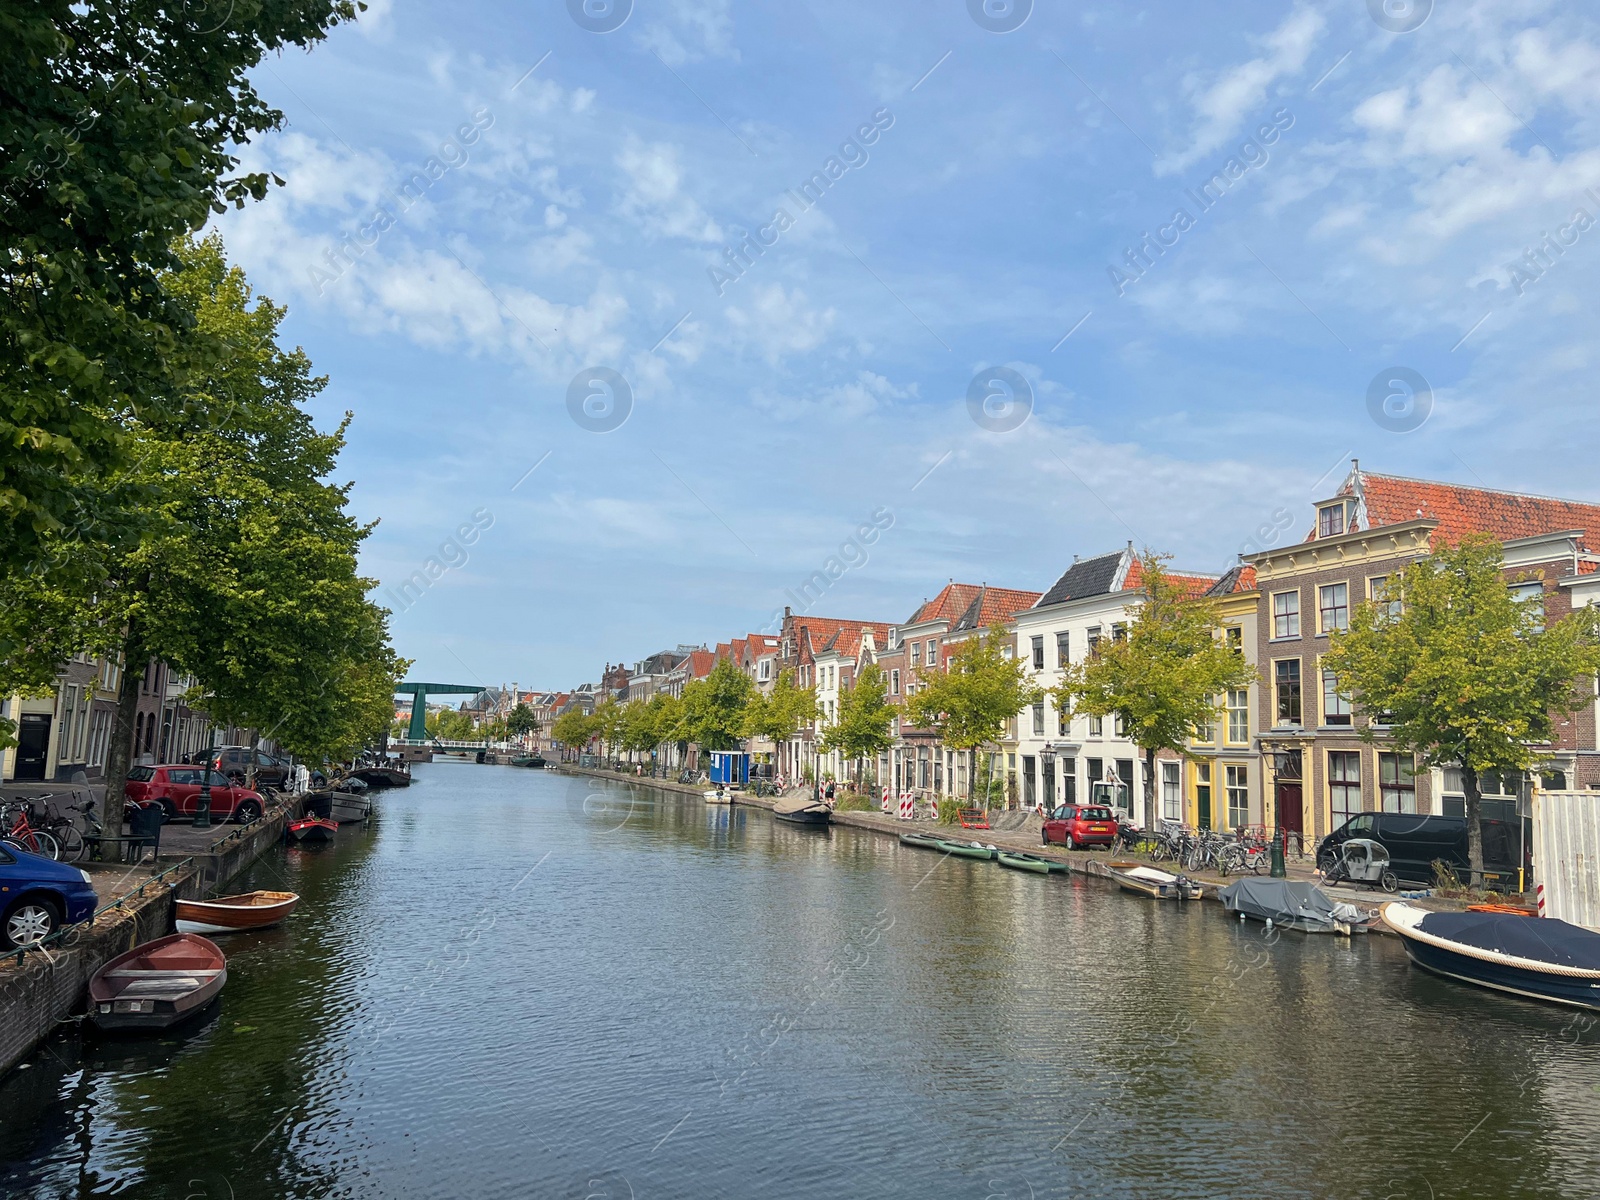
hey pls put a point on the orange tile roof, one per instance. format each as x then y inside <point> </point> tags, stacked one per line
<point>847,641</point>
<point>1392,499</point>
<point>956,600</point>
<point>1191,585</point>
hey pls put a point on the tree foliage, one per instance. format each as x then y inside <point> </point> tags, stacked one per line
<point>1464,673</point>
<point>1162,678</point>
<point>714,708</point>
<point>865,717</point>
<point>120,125</point>
<point>573,728</point>
<point>522,721</point>
<point>779,715</point>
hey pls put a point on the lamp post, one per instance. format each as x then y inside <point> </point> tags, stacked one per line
<point>1047,763</point>
<point>202,812</point>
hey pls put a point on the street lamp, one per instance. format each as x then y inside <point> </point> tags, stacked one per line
<point>202,812</point>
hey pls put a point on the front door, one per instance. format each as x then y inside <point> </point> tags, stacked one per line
<point>1049,790</point>
<point>1030,797</point>
<point>1289,813</point>
<point>1202,795</point>
<point>33,746</point>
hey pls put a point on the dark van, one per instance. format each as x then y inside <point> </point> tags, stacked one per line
<point>1415,842</point>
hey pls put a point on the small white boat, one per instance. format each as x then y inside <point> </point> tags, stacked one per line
<point>717,796</point>
<point>1148,881</point>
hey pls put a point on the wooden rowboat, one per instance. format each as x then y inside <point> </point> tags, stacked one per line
<point>157,985</point>
<point>312,829</point>
<point>803,810</point>
<point>1029,862</point>
<point>1147,881</point>
<point>234,914</point>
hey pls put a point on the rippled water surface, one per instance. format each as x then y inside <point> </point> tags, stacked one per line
<point>518,984</point>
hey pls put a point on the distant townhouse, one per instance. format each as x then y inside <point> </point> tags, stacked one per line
<point>1217,783</point>
<point>837,663</point>
<point>1059,759</point>
<point>1320,770</point>
<point>801,637</point>
<point>917,647</point>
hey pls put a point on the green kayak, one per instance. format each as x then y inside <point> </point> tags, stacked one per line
<point>968,849</point>
<point>1029,862</point>
<point>926,841</point>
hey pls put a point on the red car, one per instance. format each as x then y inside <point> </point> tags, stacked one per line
<point>176,787</point>
<point>1078,825</point>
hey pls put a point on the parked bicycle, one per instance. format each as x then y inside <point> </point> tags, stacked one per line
<point>19,831</point>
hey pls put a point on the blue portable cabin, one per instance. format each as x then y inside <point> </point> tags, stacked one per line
<point>730,767</point>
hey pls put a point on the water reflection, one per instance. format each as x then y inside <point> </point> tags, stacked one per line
<point>499,993</point>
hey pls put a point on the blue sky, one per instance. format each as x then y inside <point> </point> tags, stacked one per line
<point>541,200</point>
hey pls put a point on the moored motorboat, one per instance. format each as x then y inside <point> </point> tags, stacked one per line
<point>234,914</point>
<point>1018,861</point>
<point>969,849</point>
<point>717,796</point>
<point>349,808</point>
<point>1537,957</point>
<point>1148,881</point>
<point>158,984</point>
<point>925,841</point>
<point>383,776</point>
<point>804,810</point>
<point>312,829</point>
<point>527,760</point>
<point>1296,905</point>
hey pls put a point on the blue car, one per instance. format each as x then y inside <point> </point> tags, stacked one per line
<point>39,895</point>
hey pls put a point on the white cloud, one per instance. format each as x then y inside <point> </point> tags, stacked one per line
<point>655,197</point>
<point>862,396</point>
<point>689,31</point>
<point>1239,93</point>
<point>777,322</point>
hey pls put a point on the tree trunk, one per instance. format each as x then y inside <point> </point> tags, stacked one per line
<point>1469,785</point>
<point>1149,791</point>
<point>119,751</point>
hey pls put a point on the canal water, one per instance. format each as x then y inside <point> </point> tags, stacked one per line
<point>519,984</point>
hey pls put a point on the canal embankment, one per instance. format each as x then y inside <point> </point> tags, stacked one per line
<point>1024,839</point>
<point>44,985</point>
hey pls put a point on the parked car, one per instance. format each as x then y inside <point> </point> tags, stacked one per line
<point>39,895</point>
<point>1078,825</point>
<point>236,762</point>
<point>1416,841</point>
<point>176,788</point>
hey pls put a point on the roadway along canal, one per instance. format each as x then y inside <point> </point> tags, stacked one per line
<point>519,984</point>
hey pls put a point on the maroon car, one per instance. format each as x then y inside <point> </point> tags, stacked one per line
<point>1078,825</point>
<point>176,787</point>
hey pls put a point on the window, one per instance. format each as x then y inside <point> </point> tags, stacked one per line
<point>1285,614</point>
<point>1119,633</point>
<point>1038,653</point>
<point>1335,704</point>
<point>1397,784</point>
<point>1378,590</point>
<point>1531,594</point>
<point>933,653</point>
<point>894,638</point>
<point>1171,795</point>
<point>916,654</point>
<point>1205,731</point>
<point>1063,649</point>
<point>1286,681</point>
<point>1238,782</point>
<point>1333,607</point>
<point>1094,640</point>
<point>1116,725</point>
<point>1063,723</point>
<point>1344,784</point>
<point>1038,719</point>
<point>1097,726</point>
<point>894,682</point>
<point>1238,715</point>
<point>1330,520</point>
<point>1233,638</point>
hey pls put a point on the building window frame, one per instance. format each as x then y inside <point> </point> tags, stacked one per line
<point>1036,644</point>
<point>1288,701</point>
<point>1397,782</point>
<point>1286,615</point>
<point>894,681</point>
<point>1336,704</point>
<point>1063,648</point>
<point>1333,608</point>
<point>1237,702</point>
<point>1344,786</point>
<point>1330,520</point>
<point>1236,779</point>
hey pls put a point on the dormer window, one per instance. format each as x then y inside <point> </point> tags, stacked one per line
<point>1331,520</point>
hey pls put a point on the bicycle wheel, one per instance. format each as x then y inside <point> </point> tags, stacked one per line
<point>73,847</point>
<point>37,841</point>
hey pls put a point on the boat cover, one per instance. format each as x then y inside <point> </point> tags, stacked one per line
<point>1543,939</point>
<point>1285,902</point>
<point>799,804</point>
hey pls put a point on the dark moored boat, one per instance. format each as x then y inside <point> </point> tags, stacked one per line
<point>1537,957</point>
<point>1294,904</point>
<point>528,760</point>
<point>383,776</point>
<point>158,984</point>
<point>803,811</point>
<point>349,808</point>
<point>312,829</point>
<point>968,849</point>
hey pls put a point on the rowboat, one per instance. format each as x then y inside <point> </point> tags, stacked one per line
<point>158,984</point>
<point>717,796</point>
<point>925,841</point>
<point>312,829</point>
<point>803,810</point>
<point>1537,957</point>
<point>234,914</point>
<point>1029,862</point>
<point>1147,881</point>
<point>968,849</point>
<point>349,808</point>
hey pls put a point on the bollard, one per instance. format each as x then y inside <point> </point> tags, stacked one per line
<point>1278,870</point>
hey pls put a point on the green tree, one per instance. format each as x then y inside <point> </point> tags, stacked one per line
<point>450,725</point>
<point>714,707</point>
<point>779,715</point>
<point>865,718</point>
<point>1464,673</point>
<point>967,704</point>
<point>1160,680</point>
<point>608,724</point>
<point>573,729</point>
<point>522,721</point>
<point>120,124</point>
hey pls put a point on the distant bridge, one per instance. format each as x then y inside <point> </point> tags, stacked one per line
<point>417,731</point>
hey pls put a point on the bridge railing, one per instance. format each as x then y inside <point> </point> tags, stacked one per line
<point>445,743</point>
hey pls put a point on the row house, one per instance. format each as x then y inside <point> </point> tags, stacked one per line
<point>1059,758</point>
<point>1321,769</point>
<point>1218,783</point>
<point>649,675</point>
<point>838,662</point>
<point>800,639</point>
<point>919,762</point>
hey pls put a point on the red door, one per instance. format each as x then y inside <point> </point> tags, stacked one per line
<point>1290,819</point>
